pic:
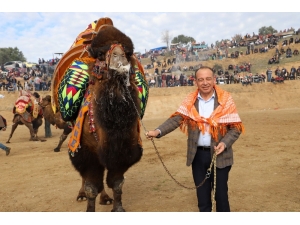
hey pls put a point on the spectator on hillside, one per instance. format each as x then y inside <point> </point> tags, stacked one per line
<point>293,71</point>
<point>277,71</point>
<point>269,74</point>
<point>283,72</point>
<point>19,85</point>
<point>252,47</point>
<point>37,83</point>
<point>159,81</point>
<point>248,48</point>
<point>164,80</point>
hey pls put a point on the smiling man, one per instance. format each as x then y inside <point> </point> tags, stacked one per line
<point>212,123</point>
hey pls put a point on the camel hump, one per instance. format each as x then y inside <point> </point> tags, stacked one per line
<point>25,115</point>
<point>77,50</point>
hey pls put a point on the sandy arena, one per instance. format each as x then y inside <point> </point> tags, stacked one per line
<point>265,176</point>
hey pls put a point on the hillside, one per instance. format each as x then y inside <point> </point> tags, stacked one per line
<point>259,61</point>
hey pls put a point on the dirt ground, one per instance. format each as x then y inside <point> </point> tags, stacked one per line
<point>265,176</point>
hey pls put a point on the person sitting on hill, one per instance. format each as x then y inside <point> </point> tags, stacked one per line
<point>289,52</point>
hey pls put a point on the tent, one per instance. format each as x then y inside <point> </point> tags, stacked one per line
<point>158,49</point>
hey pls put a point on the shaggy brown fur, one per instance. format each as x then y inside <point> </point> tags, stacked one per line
<point>55,119</point>
<point>107,36</point>
<point>118,146</point>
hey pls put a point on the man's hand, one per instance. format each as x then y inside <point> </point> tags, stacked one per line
<point>151,134</point>
<point>220,148</point>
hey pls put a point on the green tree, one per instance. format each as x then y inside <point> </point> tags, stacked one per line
<point>266,30</point>
<point>11,54</point>
<point>183,39</point>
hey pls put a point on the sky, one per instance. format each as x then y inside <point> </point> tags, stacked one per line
<point>40,30</point>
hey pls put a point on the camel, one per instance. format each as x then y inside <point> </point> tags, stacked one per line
<point>55,119</point>
<point>26,118</point>
<point>106,134</point>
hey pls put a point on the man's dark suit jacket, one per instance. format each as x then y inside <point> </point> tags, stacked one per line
<point>224,159</point>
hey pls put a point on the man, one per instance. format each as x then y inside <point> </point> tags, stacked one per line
<point>37,82</point>
<point>211,120</point>
<point>269,74</point>
<point>3,126</point>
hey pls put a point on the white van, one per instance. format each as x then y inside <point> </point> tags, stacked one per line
<point>12,64</point>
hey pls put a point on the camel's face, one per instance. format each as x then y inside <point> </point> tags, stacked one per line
<point>118,60</point>
<point>119,63</point>
<point>45,101</point>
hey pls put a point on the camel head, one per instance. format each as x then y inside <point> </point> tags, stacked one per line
<point>113,51</point>
<point>45,101</point>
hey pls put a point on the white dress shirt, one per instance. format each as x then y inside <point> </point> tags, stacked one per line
<point>206,107</point>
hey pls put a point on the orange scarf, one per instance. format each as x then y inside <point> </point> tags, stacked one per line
<point>225,114</point>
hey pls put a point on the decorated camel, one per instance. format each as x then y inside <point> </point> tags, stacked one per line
<point>27,112</point>
<point>99,85</point>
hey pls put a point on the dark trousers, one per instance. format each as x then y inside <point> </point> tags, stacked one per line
<point>200,165</point>
<point>48,132</point>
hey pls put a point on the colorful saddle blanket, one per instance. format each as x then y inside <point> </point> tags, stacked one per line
<point>22,103</point>
<point>71,90</point>
<point>74,84</point>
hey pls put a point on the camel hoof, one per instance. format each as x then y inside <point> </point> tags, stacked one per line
<point>56,150</point>
<point>106,201</point>
<point>81,198</point>
<point>119,209</point>
<point>43,140</point>
<point>8,142</point>
<point>34,139</point>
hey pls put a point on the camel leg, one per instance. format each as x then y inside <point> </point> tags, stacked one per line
<point>13,128</point>
<point>33,137</point>
<point>93,184</point>
<point>116,181</point>
<point>62,138</point>
<point>81,195</point>
<point>104,197</point>
<point>91,192</point>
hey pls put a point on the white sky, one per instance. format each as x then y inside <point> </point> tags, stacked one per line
<point>39,29</point>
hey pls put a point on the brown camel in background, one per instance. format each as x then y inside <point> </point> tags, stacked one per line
<point>26,118</point>
<point>56,120</point>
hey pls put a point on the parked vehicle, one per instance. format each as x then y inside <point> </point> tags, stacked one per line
<point>12,64</point>
<point>29,64</point>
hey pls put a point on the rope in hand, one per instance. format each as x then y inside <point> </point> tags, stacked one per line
<point>208,173</point>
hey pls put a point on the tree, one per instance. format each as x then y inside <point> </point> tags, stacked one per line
<point>166,38</point>
<point>11,54</point>
<point>183,39</point>
<point>237,38</point>
<point>222,42</point>
<point>266,30</point>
